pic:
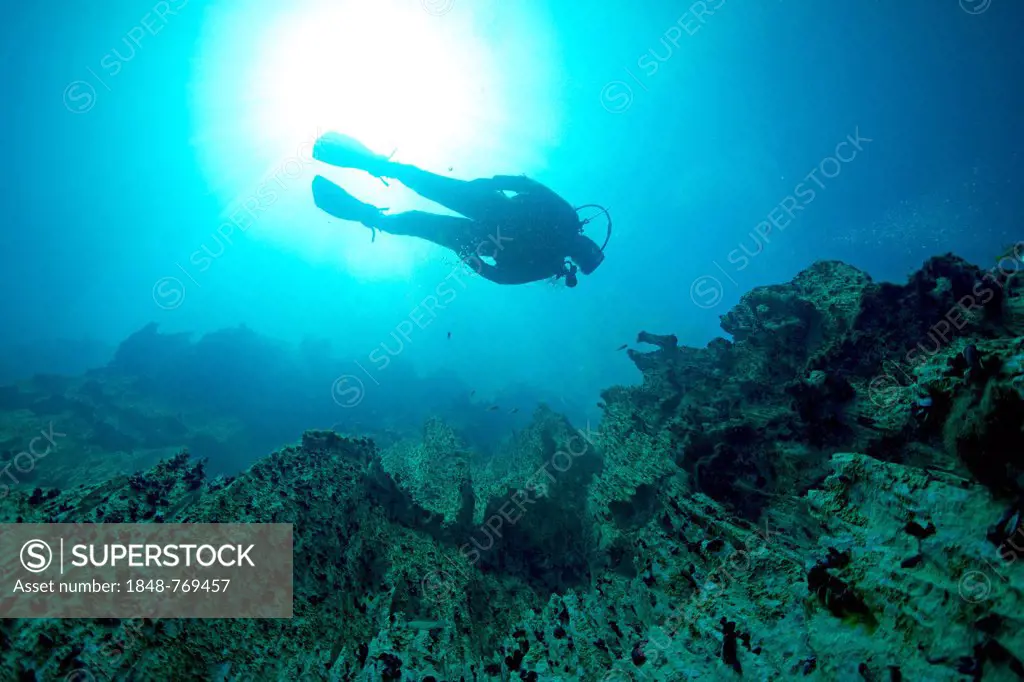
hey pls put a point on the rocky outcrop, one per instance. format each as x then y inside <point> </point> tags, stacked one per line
<point>904,555</point>
<point>831,494</point>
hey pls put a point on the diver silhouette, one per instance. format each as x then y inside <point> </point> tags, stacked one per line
<point>531,236</point>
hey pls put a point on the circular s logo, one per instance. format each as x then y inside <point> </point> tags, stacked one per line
<point>616,97</point>
<point>438,586</point>
<point>79,97</point>
<point>707,292</point>
<point>975,586</point>
<point>975,6</point>
<point>169,293</point>
<point>36,556</point>
<point>348,391</point>
<point>437,8</point>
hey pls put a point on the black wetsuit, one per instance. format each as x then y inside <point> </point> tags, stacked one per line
<point>509,240</point>
<point>528,236</point>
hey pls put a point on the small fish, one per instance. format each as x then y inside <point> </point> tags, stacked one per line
<point>451,168</point>
<point>449,336</point>
<point>472,393</point>
<point>623,347</point>
<point>492,408</point>
<point>513,410</point>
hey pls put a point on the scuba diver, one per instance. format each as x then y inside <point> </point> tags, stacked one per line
<point>532,236</point>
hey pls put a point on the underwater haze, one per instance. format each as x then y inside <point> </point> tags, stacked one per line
<point>214,242</point>
<point>134,131</point>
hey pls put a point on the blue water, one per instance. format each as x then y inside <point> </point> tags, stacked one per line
<point>131,129</point>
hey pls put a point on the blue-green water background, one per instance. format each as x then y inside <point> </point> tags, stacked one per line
<point>100,206</point>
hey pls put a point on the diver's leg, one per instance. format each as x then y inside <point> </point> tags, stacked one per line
<point>461,196</point>
<point>444,230</point>
<point>451,232</point>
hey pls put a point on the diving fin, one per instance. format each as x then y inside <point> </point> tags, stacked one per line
<point>332,199</point>
<point>347,152</point>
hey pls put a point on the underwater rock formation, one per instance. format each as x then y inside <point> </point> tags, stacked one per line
<point>161,393</point>
<point>57,432</point>
<point>833,494</point>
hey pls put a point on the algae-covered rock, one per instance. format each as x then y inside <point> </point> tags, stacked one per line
<point>435,471</point>
<point>834,493</point>
<point>940,600</point>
